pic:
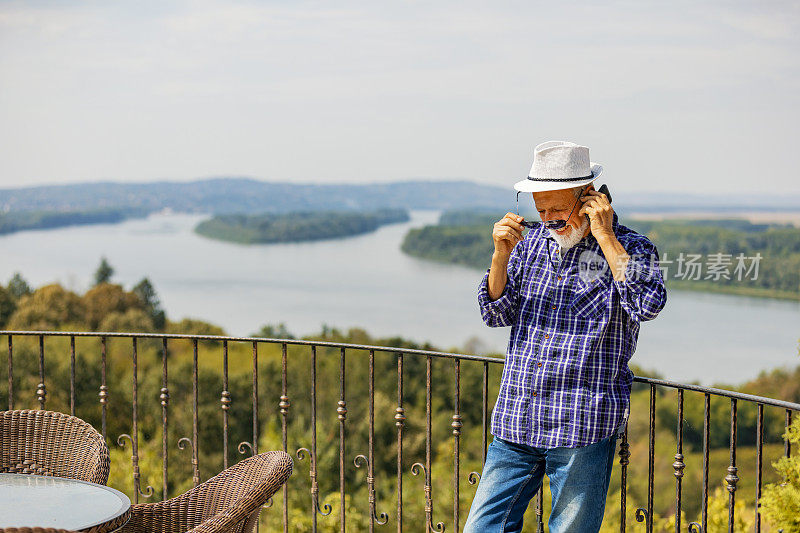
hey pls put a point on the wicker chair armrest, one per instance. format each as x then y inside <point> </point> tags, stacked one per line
<point>228,519</point>
<point>244,508</point>
<point>173,515</point>
<point>159,516</point>
<point>179,514</point>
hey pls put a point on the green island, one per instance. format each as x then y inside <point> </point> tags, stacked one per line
<point>13,221</point>
<point>108,306</point>
<point>297,226</point>
<point>464,238</point>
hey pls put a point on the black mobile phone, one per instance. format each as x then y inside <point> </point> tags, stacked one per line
<point>604,190</point>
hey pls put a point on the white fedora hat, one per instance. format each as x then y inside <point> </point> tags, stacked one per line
<point>559,165</point>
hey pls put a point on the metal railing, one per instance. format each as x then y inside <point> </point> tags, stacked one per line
<point>401,359</point>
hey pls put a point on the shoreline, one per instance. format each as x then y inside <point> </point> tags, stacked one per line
<point>765,294</point>
<point>756,217</point>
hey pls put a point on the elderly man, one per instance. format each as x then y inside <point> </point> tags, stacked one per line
<point>574,291</point>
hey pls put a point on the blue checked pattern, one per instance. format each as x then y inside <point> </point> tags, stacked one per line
<point>566,380</point>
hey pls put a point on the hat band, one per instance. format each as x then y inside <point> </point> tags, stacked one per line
<point>579,178</point>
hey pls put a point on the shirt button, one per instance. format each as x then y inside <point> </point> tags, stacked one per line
<point>546,336</point>
<point>559,278</point>
<point>554,307</point>
<point>533,394</point>
<point>539,365</point>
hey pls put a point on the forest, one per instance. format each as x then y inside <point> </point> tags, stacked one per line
<point>13,221</point>
<point>109,307</point>
<point>694,254</point>
<point>297,226</point>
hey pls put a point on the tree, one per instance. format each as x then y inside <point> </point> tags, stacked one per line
<point>132,320</point>
<point>18,287</point>
<point>106,298</point>
<point>191,326</point>
<point>104,272</point>
<point>718,514</point>
<point>8,305</point>
<point>152,305</point>
<point>272,331</point>
<point>48,308</point>
<point>780,503</point>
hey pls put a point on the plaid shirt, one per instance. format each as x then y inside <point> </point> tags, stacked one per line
<point>566,380</point>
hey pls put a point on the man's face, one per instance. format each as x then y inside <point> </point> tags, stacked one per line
<point>556,205</point>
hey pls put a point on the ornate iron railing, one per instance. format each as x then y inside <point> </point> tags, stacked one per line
<point>309,451</point>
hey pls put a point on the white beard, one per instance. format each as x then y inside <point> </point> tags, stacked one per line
<point>572,237</point>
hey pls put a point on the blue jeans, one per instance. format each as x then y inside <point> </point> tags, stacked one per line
<point>513,474</point>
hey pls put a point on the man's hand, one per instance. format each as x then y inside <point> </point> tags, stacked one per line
<point>601,214</point>
<point>601,217</point>
<point>506,234</point>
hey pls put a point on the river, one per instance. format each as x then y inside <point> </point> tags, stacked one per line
<point>367,282</point>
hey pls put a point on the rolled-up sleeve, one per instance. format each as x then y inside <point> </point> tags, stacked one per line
<point>642,293</point>
<point>503,311</point>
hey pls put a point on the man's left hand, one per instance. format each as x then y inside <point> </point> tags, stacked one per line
<point>601,214</point>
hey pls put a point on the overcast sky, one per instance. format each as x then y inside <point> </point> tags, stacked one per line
<point>669,96</point>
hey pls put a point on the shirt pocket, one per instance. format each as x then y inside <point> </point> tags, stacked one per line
<point>591,297</point>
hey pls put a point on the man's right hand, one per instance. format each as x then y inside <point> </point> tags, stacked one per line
<point>506,234</point>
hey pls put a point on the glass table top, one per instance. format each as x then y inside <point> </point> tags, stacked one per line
<point>47,501</point>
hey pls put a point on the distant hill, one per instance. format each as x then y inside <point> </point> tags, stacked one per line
<point>248,196</point>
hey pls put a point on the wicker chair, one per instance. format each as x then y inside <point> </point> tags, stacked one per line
<point>228,502</point>
<point>52,444</point>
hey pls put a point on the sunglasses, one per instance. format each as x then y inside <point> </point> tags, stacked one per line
<point>550,224</point>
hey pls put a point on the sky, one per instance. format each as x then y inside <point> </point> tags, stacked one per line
<point>669,96</point>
